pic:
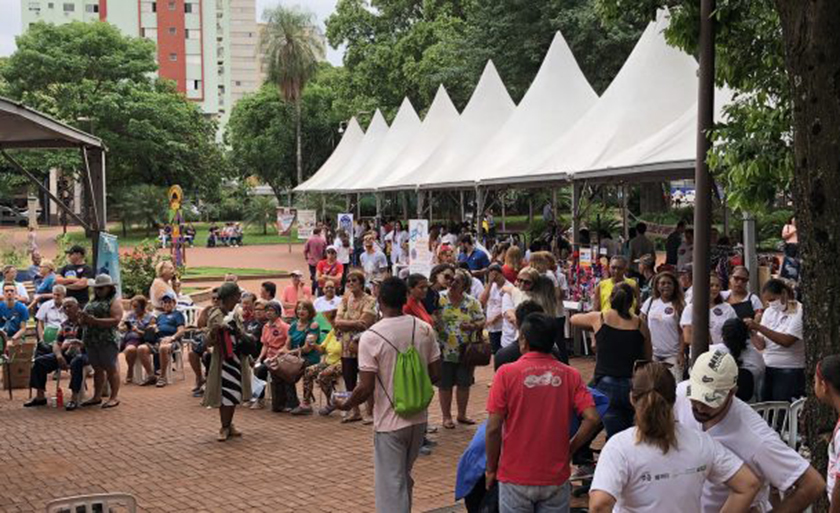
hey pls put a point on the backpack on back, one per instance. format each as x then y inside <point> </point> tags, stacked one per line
<point>412,386</point>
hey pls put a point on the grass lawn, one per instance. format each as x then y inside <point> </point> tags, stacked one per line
<point>135,235</point>
<point>214,272</point>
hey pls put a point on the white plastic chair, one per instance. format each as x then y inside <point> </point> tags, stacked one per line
<point>796,409</point>
<point>105,500</point>
<point>191,316</point>
<point>176,365</point>
<point>775,413</point>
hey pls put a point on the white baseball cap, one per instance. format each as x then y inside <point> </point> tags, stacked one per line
<point>713,376</point>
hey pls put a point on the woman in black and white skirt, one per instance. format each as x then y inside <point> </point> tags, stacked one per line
<point>229,376</point>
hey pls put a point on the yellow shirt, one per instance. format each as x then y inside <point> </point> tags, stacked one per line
<point>606,288</point>
<point>332,349</point>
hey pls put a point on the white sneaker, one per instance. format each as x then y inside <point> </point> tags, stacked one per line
<point>258,404</point>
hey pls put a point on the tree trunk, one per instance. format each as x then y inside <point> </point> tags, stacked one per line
<point>811,32</point>
<point>299,144</point>
<point>652,198</point>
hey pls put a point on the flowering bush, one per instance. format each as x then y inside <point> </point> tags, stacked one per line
<point>137,269</point>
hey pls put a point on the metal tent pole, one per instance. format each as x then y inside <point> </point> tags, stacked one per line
<point>750,251</point>
<point>703,182</point>
<point>576,190</point>
<point>462,205</point>
<point>502,200</point>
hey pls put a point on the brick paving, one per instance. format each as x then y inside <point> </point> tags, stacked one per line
<point>159,445</point>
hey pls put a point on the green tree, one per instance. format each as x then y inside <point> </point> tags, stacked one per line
<point>261,211</point>
<point>91,76</point>
<point>292,46</point>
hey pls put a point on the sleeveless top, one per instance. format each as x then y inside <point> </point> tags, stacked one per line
<point>95,336</point>
<point>618,350</point>
<point>606,289</point>
<point>744,309</point>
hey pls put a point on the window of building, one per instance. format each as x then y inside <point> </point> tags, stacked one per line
<point>50,5</point>
<point>35,7</point>
<point>238,83</point>
<point>173,31</point>
<point>171,6</point>
<point>173,57</point>
<point>188,7</point>
<point>92,8</point>
<point>69,7</point>
<point>154,6</point>
<point>195,85</point>
<point>192,34</point>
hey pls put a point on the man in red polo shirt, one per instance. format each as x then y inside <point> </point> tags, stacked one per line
<point>531,405</point>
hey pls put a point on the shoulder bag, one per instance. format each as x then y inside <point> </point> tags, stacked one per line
<point>476,353</point>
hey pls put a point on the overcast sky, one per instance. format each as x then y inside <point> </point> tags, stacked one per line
<point>10,21</point>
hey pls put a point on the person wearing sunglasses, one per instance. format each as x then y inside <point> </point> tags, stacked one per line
<point>621,338</point>
<point>512,297</point>
<point>661,313</point>
<point>636,469</point>
<point>746,304</point>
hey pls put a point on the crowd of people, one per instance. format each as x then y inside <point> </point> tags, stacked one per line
<point>372,339</point>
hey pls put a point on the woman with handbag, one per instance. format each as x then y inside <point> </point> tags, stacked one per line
<point>459,320</point>
<point>356,313</point>
<point>304,335</point>
<point>275,335</point>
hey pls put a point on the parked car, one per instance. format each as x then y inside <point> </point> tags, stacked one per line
<point>9,215</point>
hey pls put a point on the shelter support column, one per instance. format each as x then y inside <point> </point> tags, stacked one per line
<point>431,209</point>
<point>750,251</point>
<point>703,181</point>
<point>554,204</point>
<point>358,206</point>
<point>502,201</point>
<point>324,207</point>
<point>404,197</point>
<point>420,204</point>
<point>347,203</point>
<point>625,215</point>
<point>479,207</point>
<point>378,197</point>
<point>576,190</point>
<point>530,209</point>
<point>461,195</point>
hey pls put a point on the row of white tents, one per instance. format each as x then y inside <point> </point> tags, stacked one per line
<point>642,128</point>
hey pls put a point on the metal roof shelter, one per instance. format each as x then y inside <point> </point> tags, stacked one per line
<point>23,128</point>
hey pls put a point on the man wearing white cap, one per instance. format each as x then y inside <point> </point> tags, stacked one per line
<point>707,402</point>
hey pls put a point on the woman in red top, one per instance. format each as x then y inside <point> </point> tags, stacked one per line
<point>275,335</point>
<point>418,287</point>
<point>513,263</point>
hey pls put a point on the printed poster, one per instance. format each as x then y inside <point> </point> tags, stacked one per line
<point>307,221</point>
<point>419,254</point>
<point>108,258</point>
<point>285,220</point>
<point>345,222</point>
<point>586,257</point>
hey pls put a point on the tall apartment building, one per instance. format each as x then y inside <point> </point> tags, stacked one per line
<point>208,47</point>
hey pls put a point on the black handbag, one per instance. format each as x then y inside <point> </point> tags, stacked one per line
<point>477,353</point>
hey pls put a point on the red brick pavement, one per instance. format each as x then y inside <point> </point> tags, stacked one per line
<point>159,445</point>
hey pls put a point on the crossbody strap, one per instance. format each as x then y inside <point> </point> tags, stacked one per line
<point>413,329</point>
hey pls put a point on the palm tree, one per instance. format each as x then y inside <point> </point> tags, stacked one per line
<point>261,211</point>
<point>292,44</point>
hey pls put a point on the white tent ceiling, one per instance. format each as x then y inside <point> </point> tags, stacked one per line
<point>489,107</point>
<point>343,152</point>
<point>437,125</point>
<point>403,130</point>
<point>656,86</point>
<point>376,133</point>
<point>557,98</point>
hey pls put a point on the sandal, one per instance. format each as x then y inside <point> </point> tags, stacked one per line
<point>448,424</point>
<point>466,421</point>
<point>110,404</point>
<point>351,418</point>
<point>92,402</point>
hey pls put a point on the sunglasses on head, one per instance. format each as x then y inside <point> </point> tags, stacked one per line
<point>522,280</point>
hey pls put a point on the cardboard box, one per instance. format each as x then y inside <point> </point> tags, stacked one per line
<point>20,366</point>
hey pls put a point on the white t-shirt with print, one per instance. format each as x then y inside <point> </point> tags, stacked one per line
<point>664,326</point>
<point>745,433</point>
<point>833,461</point>
<point>322,304</point>
<point>494,306</point>
<point>510,300</point>
<point>718,315</point>
<point>643,479</point>
<point>342,253</point>
<point>789,323</point>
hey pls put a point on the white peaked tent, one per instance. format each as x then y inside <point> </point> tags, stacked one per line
<point>348,145</point>
<point>656,86</point>
<point>403,130</point>
<point>436,127</point>
<point>557,98</point>
<point>489,107</point>
<point>376,133</point>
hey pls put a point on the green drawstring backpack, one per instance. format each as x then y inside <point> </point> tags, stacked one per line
<point>412,387</point>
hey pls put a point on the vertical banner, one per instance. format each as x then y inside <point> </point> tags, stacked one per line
<point>419,254</point>
<point>345,222</point>
<point>285,220</point>
<point>108,259</point>
<point>307,221</point>
<point>586,257</point>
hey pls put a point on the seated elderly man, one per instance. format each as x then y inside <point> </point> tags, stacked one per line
<point>9,277</point>
<point>67,351</point>
<point>170,326</point>
<point>50,316</point>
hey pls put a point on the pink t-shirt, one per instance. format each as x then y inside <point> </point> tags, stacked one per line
<point>536,396</point>
<point>274,337</point>
<point>291,295</point>
<point>376,355</point>
<point>314,250</point>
